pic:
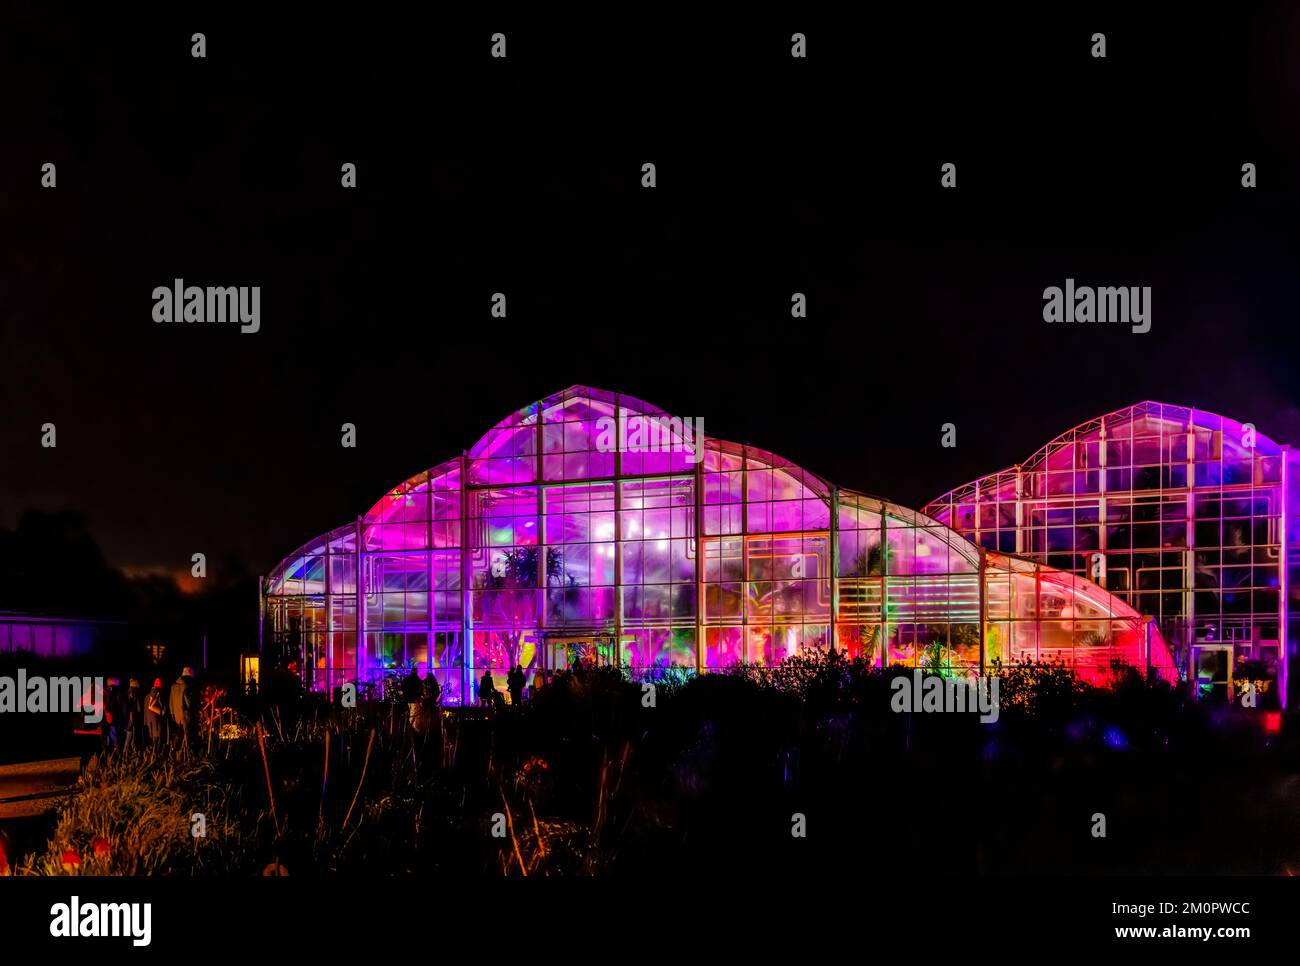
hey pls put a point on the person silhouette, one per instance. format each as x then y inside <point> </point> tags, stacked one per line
<point>486,690</point>
<point>515,683</point>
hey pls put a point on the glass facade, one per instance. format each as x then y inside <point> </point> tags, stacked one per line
<point>1179,512</point>
<point>591,524</point>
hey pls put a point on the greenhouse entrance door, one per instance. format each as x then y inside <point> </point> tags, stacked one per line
<point>1212,665</point>
<point>594,650</point>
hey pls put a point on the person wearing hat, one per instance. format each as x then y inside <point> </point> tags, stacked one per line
<point>155,712</point>
<point>184,706</point>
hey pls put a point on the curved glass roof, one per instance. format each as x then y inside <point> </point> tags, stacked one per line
<point>303,571</point>
<point>570,424</point>
<point>1146,420</point>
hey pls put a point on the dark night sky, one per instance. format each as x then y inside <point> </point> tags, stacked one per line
<point>478,176</point>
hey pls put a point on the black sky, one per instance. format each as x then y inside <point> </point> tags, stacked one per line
<point>477,176</point>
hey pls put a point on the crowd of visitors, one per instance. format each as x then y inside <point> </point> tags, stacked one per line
<point>135,718</point>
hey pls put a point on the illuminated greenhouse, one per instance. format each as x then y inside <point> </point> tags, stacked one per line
<point>1181,513</point>
<point>593,525</point>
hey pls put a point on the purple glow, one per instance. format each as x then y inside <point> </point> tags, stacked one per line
<point>552,540</point>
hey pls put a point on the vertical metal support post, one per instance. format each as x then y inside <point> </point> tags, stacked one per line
<point>261,624</point>
<point>466,588</point>
<point>329,618</point>
<point>984,613</point>
<point>1150,621</point>
<point>1283,555</point>
<point>1189,554</point>
<point>361,605</point>
<point>833,637</point>
<point>543,550</point>
<point>698,532</point>
<point>744,553</point>
<point>430,635</point>
<point>620,438</point>
<point>1020,511</point>
<point>1102,542</point>
<point>884,591</point>
<point>1038,612</point>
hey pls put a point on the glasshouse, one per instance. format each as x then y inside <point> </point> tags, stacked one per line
<point>593,526</point>
<point>1180,513</point>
